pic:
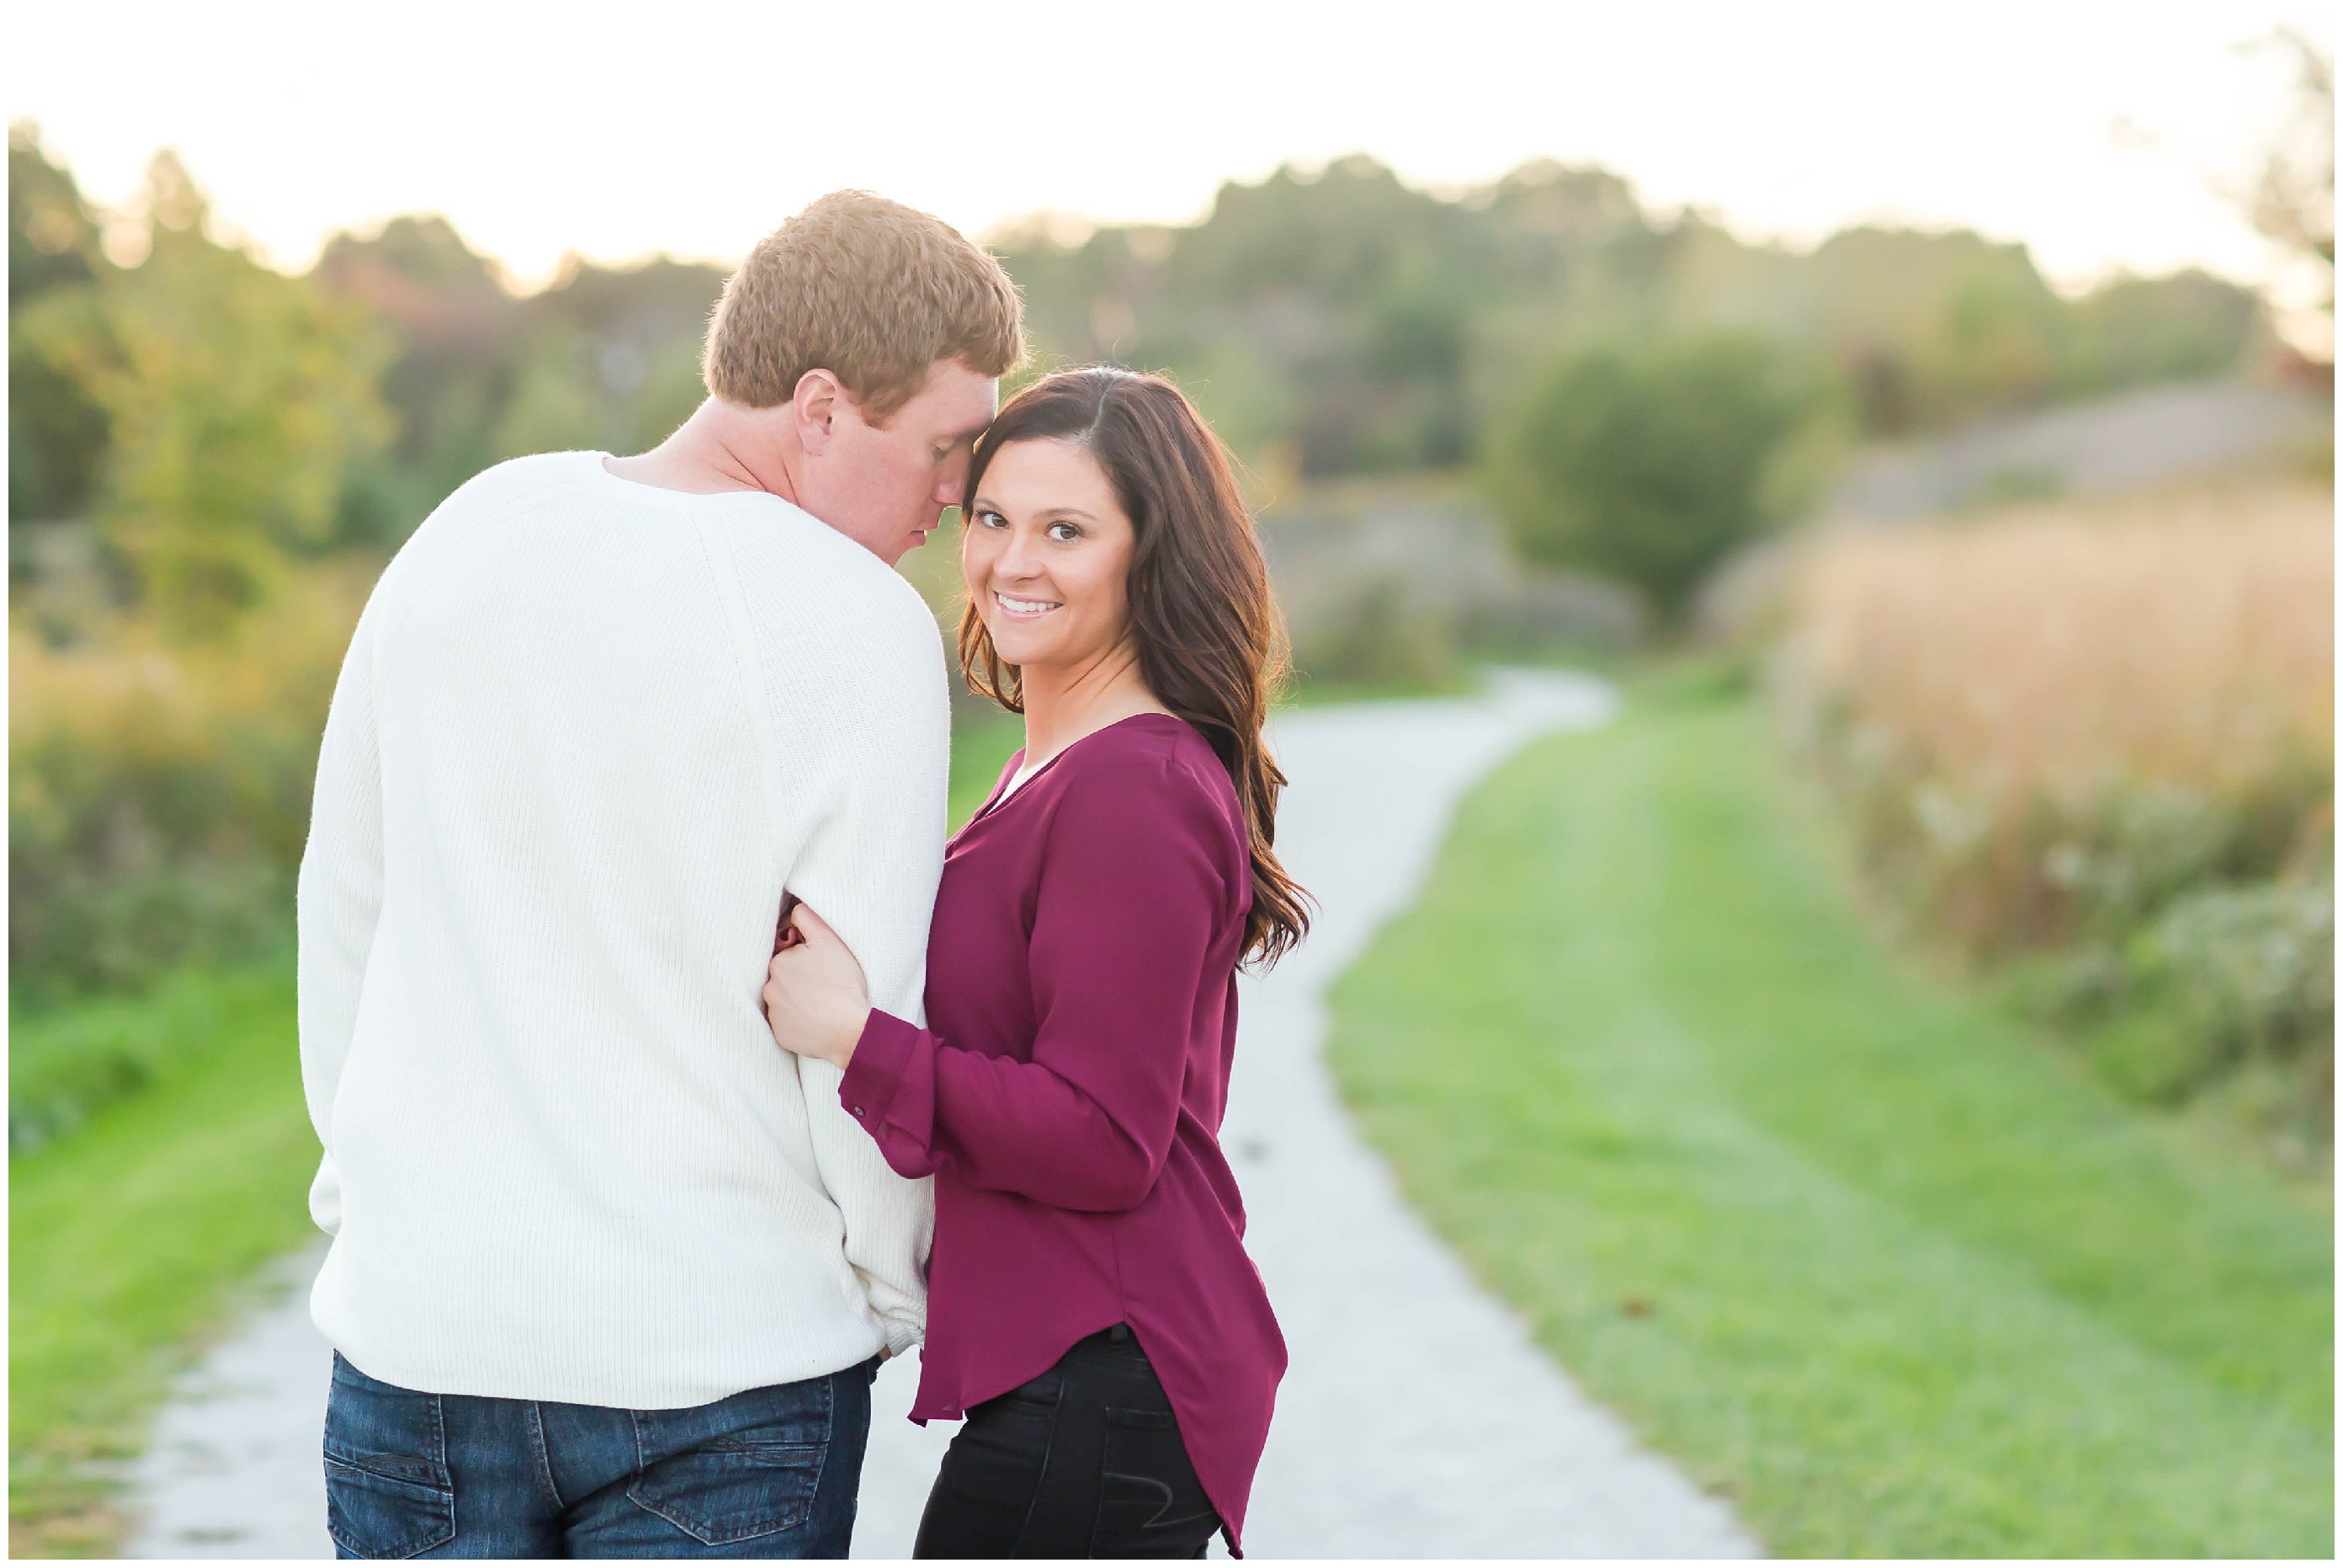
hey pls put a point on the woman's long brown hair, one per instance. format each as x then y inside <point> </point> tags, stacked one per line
<point>1210,642</point>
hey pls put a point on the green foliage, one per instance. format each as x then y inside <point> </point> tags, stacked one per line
<point>158,797</point>
<point>1648,464</point>
<point>2227,994</point>
<point>2251,968</point>
<point>1839,1236</point>
<point>235,397</point>
<point>458,333</point>
<point>2136,330</point>
<point>137,1235</point>
<point>1338,321</point>
<point>56,436</point>
<point>1376,640</point>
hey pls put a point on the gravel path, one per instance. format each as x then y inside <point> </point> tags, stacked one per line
<point>1417,1419</point>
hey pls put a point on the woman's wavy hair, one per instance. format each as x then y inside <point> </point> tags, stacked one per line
<point>1210,641</point>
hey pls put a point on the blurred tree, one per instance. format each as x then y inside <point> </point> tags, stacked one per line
<point>612,357</point>
<point>56,436</point>
<point>2132,330</point>
<point>235,396</point>
<point>459,332</point>
<point>2294,201</point>
<point>605,357</point>
<point>1364,326</point>
<point>1647,465</point>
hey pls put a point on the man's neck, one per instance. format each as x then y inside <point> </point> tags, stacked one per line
<point>721,450</point>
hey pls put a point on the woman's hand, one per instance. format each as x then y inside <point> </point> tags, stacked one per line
<point>815,997</point>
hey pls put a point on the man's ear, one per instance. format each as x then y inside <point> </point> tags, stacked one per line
<point>817,403</point>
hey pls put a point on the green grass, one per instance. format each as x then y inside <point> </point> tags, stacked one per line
<point>67,1061</point>
<point>1864,1253</point>
<point>133,1237</point>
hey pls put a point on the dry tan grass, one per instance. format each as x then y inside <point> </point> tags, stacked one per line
<point>2185,639</point>
<point>2054,719</point>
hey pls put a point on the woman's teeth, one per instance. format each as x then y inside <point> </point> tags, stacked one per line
<point>1015,605</point>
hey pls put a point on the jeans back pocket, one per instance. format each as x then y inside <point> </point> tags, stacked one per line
<point>389,1493</point>
<point>754,1469</point>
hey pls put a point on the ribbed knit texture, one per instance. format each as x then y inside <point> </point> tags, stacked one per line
<point>586,733</point>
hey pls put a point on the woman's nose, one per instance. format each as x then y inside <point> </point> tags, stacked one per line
<point>1017,558</point>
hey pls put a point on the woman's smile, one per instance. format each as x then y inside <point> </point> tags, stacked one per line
<point>1024,608</point>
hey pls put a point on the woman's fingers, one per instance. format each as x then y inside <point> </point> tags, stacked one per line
<point>811,926</point>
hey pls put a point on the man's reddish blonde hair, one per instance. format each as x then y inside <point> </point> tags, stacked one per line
<point>869,290</point>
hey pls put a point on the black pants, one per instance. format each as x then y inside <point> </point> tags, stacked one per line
<point>1085,1460</point>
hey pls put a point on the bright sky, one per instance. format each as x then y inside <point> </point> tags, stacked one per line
<point>2096,133</point>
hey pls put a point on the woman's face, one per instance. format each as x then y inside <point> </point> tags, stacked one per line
<point>1045,555</point>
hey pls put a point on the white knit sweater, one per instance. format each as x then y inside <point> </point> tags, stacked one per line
<point>587,732</point>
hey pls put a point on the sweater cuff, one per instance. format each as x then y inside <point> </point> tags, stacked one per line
<point>903,1334</point>
<point>874,1073</point>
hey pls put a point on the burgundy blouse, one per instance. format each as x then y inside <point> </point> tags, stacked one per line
<point>1067,1097</point>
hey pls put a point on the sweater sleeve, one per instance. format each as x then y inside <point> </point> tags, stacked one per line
<point>879,757</point>
<point>1130,905</point>
<point>339,901</point>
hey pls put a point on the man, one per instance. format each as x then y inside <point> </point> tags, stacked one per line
<point>611,1275</point>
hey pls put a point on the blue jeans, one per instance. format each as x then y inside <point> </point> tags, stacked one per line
<point>770,1473</point>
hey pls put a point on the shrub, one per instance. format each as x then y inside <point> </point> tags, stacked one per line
<point>158,797</point>
<point>2251,969</point>
<point>1647,465</point>
<point>1376,638</point>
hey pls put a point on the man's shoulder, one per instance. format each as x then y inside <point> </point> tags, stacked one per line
<point>510,488</point>
<point>791,563</point>
<point>519,480</point>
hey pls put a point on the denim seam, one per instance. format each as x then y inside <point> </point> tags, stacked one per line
<point>545,1456</point>
<point>829,1444</point>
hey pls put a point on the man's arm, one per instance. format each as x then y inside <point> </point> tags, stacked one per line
<point>869,868</point>
<point>339,899</point>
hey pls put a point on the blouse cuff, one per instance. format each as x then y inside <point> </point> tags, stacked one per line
<point>875,1072</point>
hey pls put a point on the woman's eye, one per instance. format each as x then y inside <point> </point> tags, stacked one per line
<point>992,520</point>
<point>1064,533</point>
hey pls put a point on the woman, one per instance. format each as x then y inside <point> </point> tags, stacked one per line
<point>1092,1309</point>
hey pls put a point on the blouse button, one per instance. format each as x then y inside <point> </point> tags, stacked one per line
<point>857,1111</point>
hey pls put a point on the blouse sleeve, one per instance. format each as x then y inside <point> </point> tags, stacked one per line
<point>1131,903</point>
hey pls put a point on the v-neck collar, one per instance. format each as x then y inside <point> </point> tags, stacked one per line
<point>1002,793</point>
